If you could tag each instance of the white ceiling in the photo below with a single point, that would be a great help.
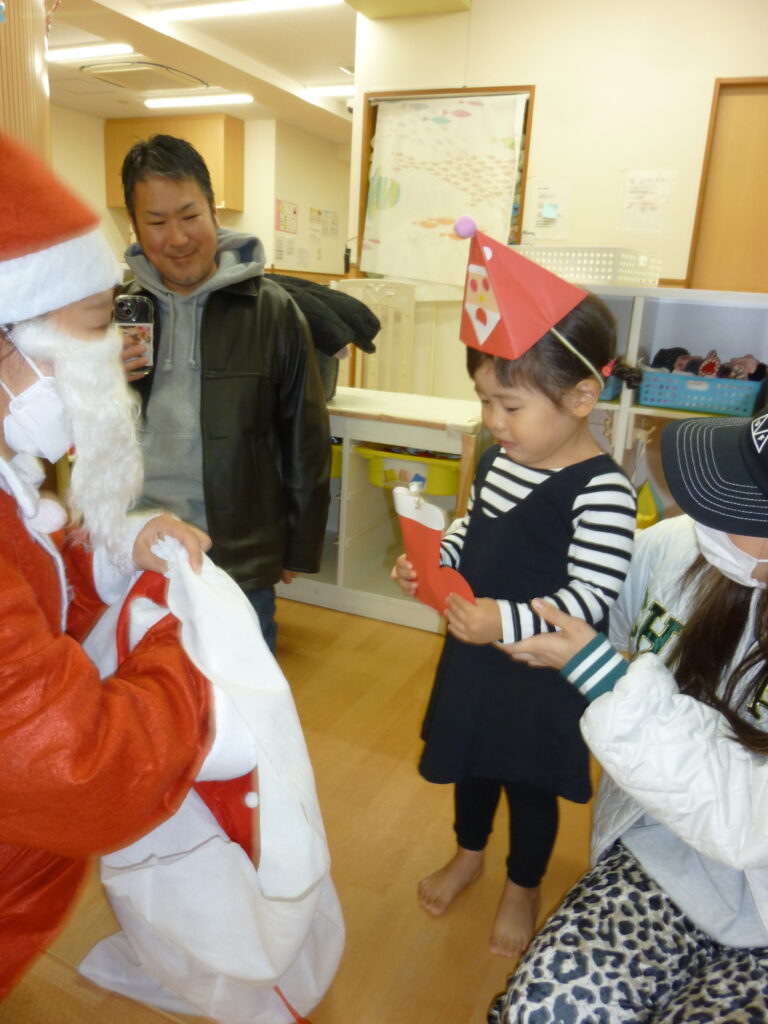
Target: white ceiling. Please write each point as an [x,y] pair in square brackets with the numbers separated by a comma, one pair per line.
[274,57]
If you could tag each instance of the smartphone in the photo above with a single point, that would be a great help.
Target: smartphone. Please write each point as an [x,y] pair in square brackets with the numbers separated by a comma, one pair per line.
[135,314]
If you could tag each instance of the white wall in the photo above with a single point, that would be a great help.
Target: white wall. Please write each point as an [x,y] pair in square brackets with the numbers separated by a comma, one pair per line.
[77,156]
[259,145]
[620,87]
[312,174]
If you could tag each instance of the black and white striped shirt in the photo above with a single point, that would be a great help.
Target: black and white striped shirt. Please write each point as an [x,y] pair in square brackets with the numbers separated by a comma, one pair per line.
[603,518]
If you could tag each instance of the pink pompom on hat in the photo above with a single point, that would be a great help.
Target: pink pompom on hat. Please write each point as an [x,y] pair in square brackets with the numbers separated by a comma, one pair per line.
[509,302]
[51,251]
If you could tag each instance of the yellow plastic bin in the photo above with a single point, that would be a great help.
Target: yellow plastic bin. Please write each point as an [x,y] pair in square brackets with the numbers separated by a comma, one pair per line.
[438,474]
[335,461]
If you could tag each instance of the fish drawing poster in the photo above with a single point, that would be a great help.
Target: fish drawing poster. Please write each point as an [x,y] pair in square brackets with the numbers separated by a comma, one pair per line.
[435,159]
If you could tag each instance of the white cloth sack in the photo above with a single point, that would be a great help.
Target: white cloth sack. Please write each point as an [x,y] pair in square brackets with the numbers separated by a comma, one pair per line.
[204,931]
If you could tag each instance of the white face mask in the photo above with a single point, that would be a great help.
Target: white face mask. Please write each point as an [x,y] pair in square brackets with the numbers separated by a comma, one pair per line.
[720,551]
[37,422]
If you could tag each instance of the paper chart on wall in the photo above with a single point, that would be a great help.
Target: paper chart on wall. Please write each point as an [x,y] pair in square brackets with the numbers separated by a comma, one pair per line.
[434,160]
[646,195]
[549,209]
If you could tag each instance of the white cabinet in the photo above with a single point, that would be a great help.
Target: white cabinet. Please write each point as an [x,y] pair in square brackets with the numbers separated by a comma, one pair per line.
[363,537]
[650,319]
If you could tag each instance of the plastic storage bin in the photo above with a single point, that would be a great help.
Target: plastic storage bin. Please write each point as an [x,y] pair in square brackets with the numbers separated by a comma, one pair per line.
[437,474]
[595,265]
[699,394]
[335,461]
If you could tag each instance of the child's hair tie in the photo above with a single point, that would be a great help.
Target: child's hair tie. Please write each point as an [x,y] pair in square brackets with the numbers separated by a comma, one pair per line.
[607,370]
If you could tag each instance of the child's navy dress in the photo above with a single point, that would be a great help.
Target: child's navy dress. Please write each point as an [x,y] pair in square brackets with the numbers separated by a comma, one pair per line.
[491,717]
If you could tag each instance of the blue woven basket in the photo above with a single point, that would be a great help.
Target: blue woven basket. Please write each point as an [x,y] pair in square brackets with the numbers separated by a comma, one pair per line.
[699,394]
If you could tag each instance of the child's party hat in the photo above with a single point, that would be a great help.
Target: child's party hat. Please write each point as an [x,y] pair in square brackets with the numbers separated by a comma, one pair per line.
[509,302]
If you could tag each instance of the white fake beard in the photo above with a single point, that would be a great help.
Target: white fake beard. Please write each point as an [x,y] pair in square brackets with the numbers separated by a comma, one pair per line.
[107,473]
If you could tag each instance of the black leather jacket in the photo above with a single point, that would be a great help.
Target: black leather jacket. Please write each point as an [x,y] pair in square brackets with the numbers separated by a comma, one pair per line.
[265,433]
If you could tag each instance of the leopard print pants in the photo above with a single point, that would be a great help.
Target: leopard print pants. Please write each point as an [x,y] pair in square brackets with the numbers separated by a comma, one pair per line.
[618,950]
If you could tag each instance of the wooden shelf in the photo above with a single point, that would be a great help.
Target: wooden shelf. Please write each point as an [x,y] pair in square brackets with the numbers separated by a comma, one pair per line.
[217,137]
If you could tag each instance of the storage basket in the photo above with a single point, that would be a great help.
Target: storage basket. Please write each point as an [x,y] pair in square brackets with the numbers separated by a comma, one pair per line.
[699,394]
[611,390]
[437,474]
[595,265]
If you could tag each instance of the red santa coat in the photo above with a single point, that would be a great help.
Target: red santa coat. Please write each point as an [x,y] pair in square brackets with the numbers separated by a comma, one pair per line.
[86,766]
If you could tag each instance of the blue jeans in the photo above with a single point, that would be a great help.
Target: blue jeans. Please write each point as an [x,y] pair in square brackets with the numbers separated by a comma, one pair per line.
[263,602]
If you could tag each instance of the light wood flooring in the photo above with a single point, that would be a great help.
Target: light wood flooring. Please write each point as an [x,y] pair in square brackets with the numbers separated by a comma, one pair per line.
[360,687]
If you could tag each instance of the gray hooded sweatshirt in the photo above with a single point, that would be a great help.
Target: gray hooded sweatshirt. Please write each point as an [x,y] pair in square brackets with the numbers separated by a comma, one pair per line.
[171,439]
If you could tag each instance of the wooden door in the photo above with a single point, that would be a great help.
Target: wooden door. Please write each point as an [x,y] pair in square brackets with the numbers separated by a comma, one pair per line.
[729,249]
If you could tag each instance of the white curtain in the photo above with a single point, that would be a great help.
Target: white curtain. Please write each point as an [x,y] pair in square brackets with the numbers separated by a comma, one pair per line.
[434,160]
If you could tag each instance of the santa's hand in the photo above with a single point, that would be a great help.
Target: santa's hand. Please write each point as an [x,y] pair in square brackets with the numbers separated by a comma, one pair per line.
[551,650]
[165,525]
[405,576]
[474,623]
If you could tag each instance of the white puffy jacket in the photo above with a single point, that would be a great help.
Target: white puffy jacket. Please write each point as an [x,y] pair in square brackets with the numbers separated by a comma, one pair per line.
[665,754]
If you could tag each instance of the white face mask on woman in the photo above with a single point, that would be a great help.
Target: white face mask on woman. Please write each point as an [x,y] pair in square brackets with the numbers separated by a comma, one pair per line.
[37,422]
[721,552]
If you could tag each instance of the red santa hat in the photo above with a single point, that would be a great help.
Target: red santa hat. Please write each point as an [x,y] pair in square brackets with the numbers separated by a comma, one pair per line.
[51,251]
[509,302]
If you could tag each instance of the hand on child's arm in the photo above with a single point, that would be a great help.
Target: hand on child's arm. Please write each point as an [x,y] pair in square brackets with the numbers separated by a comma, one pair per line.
[405,576]
[478,623]
[551,650]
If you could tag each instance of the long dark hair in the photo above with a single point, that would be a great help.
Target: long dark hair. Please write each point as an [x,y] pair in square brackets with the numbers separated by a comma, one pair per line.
[707,645]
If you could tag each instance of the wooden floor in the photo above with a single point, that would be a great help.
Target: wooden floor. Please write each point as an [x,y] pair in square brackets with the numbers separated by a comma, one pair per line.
[360,687]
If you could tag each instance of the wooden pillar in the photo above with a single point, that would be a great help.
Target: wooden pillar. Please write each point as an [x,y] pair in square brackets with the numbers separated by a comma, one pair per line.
[24,98]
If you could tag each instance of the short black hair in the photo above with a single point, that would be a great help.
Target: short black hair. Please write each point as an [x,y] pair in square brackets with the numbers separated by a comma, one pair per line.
[164,156]
[548,366]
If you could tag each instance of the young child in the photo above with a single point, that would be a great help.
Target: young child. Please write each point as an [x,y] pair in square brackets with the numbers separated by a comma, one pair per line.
[550,514]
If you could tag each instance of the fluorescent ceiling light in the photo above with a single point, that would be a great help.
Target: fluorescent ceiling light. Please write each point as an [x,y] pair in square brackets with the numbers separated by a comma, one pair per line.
[198,101]
[238,7]
[330,90]
[64,53]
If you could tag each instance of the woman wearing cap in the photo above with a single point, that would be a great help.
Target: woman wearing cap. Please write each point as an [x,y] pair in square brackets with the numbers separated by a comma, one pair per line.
[671,923]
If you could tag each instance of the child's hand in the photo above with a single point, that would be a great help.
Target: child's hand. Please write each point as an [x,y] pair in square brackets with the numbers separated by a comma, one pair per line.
[405,576]
[551,650]
[478,623]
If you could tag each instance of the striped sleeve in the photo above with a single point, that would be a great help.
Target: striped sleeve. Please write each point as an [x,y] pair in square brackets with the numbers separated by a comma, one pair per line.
[604,517]
[453,539]
[596,668]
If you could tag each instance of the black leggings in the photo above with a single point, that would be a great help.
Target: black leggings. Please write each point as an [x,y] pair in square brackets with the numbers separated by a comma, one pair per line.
[533,821]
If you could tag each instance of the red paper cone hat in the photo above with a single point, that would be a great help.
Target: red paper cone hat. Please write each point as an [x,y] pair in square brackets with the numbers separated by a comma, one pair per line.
[51,253]
[509,302]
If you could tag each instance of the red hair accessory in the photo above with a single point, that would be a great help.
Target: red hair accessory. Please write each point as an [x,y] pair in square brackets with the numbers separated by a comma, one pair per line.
[607,370]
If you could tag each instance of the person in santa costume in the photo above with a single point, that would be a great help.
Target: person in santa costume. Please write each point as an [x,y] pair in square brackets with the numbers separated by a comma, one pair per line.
[86,765]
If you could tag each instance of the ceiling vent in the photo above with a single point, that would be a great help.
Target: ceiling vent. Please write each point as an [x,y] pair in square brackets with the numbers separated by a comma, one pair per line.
[142,75]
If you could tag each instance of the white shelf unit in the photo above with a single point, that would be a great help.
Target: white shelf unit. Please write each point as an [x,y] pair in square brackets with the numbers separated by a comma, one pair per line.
[650,319]
[363,537]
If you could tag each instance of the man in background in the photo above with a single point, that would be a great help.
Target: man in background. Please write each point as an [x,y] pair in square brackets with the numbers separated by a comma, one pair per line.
[235,430]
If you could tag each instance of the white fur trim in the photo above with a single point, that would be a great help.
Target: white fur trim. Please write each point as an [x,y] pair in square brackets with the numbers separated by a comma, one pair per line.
[42,281]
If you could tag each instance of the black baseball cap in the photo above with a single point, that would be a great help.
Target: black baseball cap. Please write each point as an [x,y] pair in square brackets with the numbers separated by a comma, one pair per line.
[717,471]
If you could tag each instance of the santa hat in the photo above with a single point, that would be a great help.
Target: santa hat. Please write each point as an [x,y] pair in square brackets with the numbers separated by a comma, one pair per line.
[509,302]
[51,252]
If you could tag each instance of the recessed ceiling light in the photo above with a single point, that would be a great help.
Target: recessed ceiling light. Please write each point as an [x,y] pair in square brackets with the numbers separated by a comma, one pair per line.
[227,98]
[65,53]
[238,7]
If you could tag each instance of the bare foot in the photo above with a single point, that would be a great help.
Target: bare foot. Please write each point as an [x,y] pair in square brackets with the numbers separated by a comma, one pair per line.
[438,890]
[515,922]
